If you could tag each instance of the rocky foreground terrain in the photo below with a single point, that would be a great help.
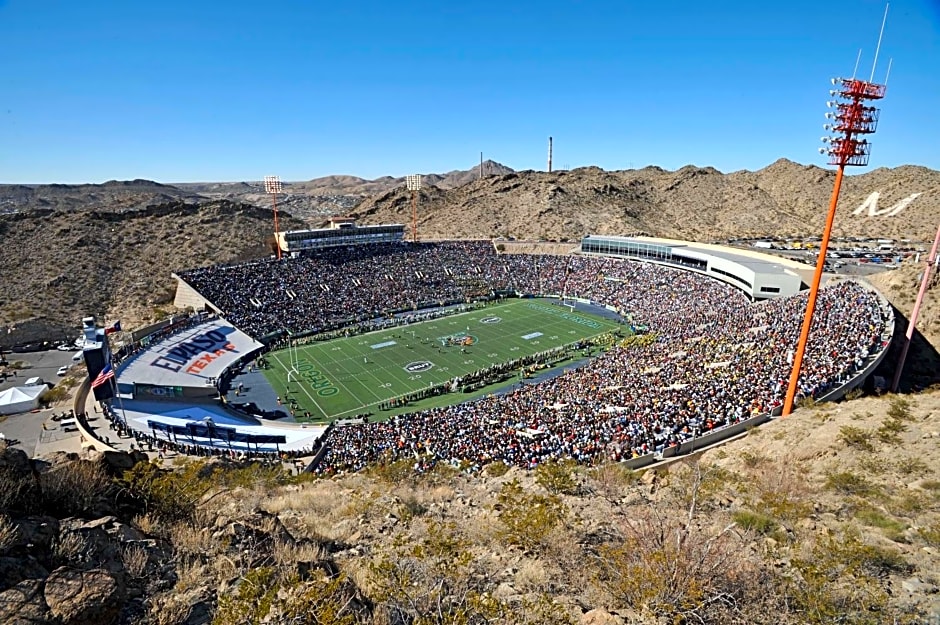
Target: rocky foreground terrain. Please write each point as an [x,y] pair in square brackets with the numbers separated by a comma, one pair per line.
[831,515]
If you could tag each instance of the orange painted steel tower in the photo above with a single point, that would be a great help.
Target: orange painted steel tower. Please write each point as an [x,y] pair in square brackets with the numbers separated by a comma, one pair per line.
[851,120]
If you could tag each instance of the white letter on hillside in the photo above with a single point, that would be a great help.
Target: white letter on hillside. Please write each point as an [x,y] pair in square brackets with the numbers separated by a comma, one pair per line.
[872,205]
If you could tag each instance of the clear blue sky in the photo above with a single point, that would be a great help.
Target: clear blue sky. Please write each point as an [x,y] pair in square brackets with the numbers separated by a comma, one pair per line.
[92,90]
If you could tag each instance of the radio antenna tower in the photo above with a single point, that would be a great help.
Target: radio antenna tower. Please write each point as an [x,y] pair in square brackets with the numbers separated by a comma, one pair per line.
[549,155]
[850,120]
[272,185]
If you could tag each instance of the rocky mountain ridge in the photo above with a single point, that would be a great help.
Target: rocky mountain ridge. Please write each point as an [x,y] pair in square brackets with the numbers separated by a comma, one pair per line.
[701,204]
[110,249]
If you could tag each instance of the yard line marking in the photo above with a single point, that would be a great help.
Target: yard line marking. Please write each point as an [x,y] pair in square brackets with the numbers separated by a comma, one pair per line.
[287,386]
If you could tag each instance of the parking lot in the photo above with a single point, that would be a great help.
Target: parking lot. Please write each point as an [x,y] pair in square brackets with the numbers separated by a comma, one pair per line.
[39,364]
[32,431]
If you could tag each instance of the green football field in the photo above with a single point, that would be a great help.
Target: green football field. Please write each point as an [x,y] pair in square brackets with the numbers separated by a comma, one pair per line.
[347,377]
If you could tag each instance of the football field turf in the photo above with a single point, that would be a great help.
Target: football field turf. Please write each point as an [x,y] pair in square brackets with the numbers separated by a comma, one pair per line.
[347,377]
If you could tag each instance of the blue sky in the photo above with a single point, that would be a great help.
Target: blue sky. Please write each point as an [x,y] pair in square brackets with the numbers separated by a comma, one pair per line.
[199,90]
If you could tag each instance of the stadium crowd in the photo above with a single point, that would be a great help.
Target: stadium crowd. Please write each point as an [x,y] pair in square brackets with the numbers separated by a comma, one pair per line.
[716,359]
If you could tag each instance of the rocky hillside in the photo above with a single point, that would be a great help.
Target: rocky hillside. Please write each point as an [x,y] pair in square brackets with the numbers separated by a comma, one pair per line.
[63,264]
[315,200]
[831,515]
[693,203]
[79,249]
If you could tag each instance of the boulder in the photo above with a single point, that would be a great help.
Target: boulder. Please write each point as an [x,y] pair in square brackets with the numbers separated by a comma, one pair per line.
[82,597]
[99,547]
[24,604]
[600,616]
[15,570]
[34,535]
[114,462]
[15,459]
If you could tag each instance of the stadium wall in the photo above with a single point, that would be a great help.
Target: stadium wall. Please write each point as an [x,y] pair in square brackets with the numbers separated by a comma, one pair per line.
[188,297]
[85,432]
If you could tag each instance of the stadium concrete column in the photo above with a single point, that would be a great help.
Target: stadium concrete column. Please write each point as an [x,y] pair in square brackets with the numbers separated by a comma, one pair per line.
[912,325]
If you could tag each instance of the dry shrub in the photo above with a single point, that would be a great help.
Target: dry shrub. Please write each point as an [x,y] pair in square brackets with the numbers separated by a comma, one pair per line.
[148,525]
[73,490]
[17,491]
[780,492]
[190,541]
[8,533]
[527,518]
[287,553]
[70,548]
[172,608]
[190,575]
[611,480]
[531,576]
[135,560]
[669,567]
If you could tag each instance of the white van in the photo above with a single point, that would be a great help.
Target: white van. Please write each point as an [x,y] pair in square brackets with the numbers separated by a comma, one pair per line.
[35,382]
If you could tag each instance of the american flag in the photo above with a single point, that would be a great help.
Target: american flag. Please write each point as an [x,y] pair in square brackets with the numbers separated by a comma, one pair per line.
[106,374]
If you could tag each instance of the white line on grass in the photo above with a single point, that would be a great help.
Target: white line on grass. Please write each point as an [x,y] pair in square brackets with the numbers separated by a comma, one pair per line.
[287,386]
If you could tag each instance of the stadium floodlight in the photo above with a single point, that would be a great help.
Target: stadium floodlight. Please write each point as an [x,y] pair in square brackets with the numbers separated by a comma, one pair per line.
[413,183]
[852,120]
[273,186]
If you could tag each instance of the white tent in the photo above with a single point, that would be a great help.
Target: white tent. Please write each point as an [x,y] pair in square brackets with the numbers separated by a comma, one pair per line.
[20,399]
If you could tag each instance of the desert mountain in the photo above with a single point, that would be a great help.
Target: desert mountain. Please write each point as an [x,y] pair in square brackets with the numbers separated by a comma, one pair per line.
[112,196]
[112,247]
[782,199]
[62,264]
[313,200]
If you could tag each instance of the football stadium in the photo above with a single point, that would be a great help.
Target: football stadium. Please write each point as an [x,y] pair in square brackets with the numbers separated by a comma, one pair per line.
[358,346]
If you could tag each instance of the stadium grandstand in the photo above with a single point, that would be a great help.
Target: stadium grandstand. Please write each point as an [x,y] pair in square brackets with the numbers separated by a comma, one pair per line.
[341,232]
[710,358]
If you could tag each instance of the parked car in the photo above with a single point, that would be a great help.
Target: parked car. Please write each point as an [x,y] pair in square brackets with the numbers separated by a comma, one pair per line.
[63,370]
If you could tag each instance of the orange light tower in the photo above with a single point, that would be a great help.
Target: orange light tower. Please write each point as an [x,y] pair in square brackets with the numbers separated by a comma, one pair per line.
[273,186]
[851,120]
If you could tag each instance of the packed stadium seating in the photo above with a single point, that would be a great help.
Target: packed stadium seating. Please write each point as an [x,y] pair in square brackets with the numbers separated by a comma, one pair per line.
[716,360]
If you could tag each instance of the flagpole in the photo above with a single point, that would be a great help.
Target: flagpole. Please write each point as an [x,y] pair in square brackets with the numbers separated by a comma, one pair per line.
[117,393]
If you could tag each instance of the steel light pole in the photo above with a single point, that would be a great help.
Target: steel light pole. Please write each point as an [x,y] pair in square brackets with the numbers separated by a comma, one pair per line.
[272,186]
[413,182]
[849,119]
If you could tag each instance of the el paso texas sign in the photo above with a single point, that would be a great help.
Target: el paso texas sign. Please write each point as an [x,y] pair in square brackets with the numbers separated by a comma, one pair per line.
[195,353]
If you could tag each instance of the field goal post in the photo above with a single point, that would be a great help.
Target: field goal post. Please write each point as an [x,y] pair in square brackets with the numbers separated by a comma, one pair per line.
[568,302]
[292,358]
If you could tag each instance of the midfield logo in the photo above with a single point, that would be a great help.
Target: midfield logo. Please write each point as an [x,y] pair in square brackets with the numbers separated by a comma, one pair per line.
[419,366]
